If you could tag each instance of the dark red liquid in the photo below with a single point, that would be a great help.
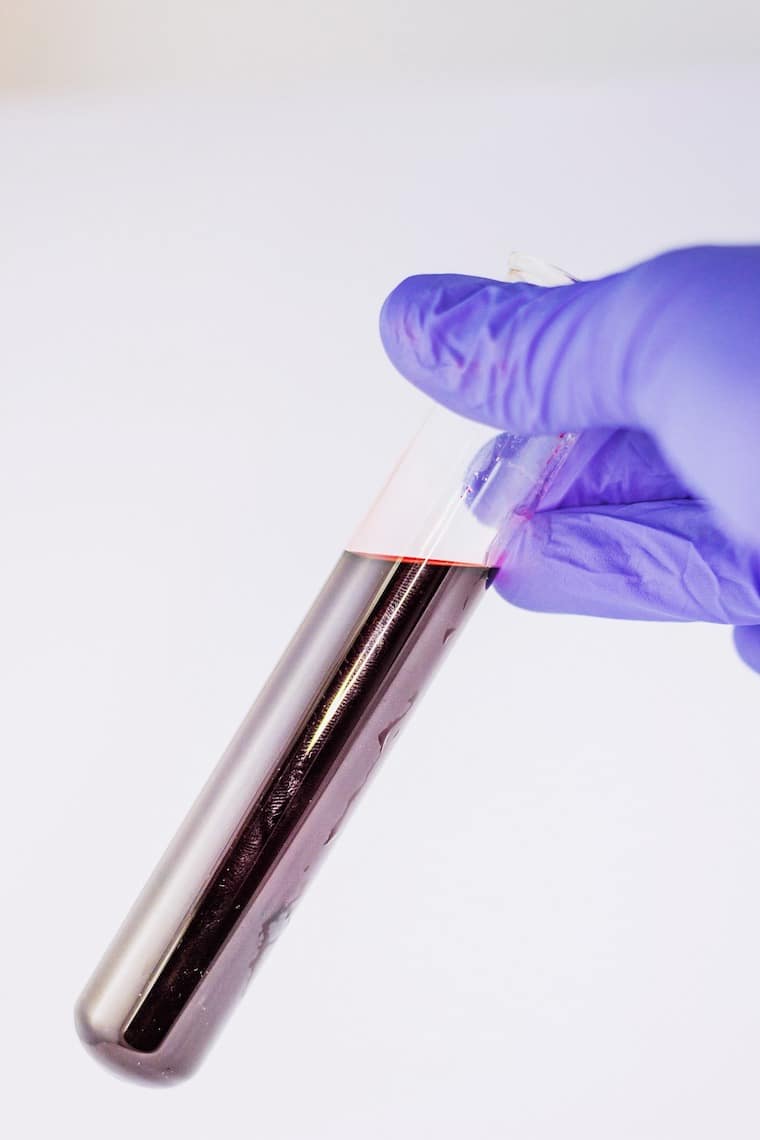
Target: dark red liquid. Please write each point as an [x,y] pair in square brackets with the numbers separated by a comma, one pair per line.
[408,614]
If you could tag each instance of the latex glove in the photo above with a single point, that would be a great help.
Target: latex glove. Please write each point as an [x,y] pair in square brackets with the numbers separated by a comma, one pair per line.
[659,366]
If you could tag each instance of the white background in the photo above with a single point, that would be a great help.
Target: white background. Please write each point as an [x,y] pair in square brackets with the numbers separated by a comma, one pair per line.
[542,920]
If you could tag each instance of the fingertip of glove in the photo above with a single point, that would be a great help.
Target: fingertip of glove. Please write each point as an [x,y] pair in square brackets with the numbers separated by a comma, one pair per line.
[747,645]
[433,327]
[395,331]
[415,298]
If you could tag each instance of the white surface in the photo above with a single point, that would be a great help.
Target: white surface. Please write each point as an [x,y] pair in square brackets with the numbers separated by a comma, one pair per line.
[542,920]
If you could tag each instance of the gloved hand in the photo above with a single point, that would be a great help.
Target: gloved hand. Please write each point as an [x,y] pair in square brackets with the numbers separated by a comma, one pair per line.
[659,366]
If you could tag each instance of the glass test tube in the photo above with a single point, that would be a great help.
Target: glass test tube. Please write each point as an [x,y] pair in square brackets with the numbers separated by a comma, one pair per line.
[383,621]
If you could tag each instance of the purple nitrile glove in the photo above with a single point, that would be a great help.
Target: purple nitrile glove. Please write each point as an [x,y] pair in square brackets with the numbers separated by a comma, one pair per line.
[659,367]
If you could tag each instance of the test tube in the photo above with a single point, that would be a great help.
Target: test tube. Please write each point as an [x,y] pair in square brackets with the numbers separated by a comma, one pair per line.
[391,609]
